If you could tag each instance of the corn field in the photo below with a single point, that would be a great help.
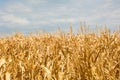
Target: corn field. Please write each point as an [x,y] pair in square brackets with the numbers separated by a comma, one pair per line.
[60,56]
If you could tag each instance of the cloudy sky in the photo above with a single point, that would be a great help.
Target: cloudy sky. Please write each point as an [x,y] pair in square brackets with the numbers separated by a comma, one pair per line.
[31,15]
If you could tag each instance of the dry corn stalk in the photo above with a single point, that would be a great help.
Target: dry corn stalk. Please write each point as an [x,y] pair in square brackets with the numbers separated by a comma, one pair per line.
[61,56]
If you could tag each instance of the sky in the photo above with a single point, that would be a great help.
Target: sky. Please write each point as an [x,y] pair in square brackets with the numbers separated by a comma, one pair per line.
[47,15]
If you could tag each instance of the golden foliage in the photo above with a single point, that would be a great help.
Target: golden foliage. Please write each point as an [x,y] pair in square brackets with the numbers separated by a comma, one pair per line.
[60,56]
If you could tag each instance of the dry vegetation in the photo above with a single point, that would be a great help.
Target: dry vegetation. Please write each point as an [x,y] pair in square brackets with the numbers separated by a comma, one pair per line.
[60,56]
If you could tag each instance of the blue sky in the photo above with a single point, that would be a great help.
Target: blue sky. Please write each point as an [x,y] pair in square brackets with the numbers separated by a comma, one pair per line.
[33,15]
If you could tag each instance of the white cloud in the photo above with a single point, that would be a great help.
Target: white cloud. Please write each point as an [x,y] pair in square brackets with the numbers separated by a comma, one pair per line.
[1,12]
[13,20]
[17,7]
[37,1]
[92,12]
[55,21]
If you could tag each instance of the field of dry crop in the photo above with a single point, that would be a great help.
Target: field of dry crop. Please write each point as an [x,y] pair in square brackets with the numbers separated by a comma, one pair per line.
[61,56]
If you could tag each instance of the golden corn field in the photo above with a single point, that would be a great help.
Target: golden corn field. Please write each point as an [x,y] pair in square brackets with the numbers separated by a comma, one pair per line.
[60,56]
